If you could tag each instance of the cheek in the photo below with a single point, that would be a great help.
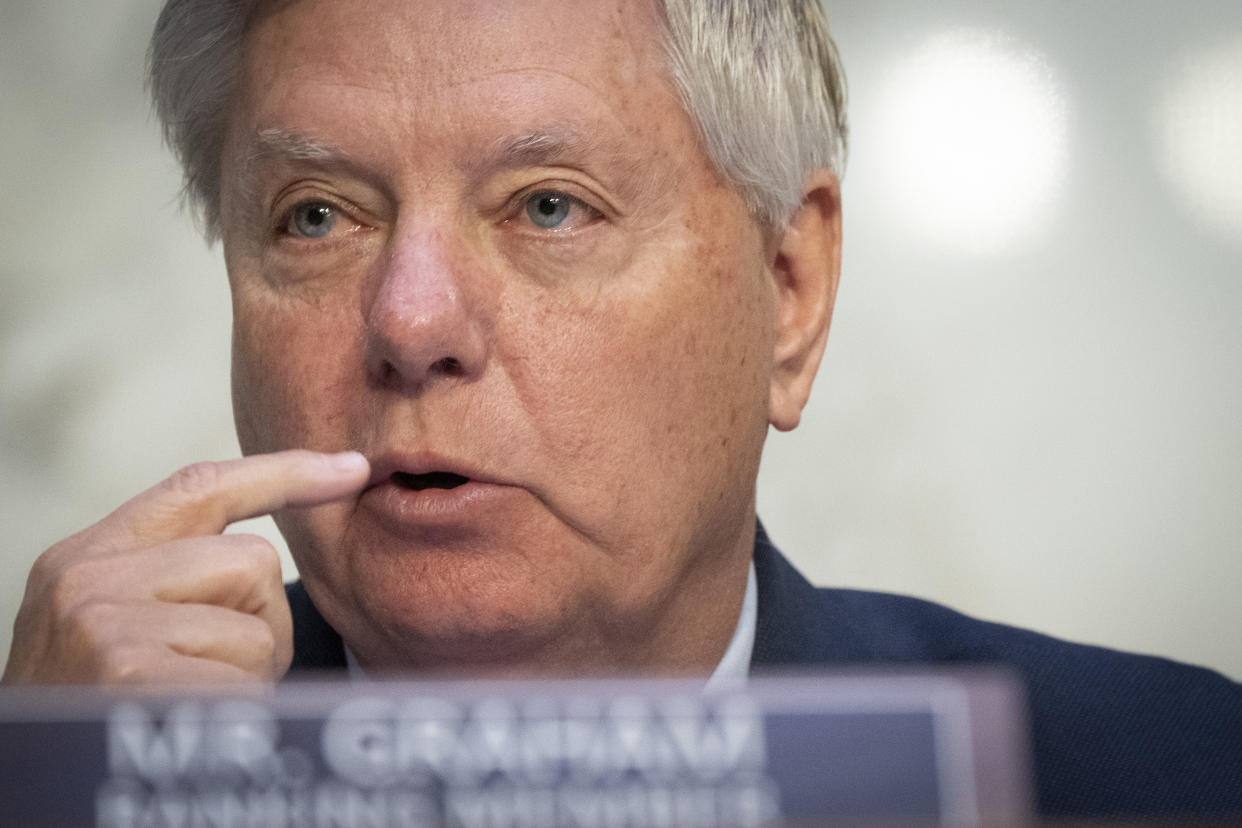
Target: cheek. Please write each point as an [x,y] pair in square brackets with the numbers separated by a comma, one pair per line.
[705,365]
[657,387]
[289,391]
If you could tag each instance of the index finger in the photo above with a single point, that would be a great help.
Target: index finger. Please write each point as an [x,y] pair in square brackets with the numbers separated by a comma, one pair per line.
[204,498]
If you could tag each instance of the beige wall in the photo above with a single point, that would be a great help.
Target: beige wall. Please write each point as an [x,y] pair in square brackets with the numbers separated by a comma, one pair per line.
[1042,430]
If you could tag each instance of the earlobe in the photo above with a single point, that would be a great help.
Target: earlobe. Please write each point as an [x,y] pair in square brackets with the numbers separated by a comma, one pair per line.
[806,269]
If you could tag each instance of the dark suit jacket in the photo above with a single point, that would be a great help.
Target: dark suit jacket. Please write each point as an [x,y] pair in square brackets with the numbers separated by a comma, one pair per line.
[1114,734]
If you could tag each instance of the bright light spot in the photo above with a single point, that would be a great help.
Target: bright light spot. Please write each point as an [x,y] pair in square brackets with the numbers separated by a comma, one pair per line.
[974,140]
[1199,135]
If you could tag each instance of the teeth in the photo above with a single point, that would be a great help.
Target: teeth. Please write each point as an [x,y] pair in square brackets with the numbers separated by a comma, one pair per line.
[429,480]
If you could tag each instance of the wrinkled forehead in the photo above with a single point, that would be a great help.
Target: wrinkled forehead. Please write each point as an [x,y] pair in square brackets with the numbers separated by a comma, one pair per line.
[598,60]
[414,48]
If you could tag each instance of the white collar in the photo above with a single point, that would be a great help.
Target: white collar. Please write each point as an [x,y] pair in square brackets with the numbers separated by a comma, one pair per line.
[734,666]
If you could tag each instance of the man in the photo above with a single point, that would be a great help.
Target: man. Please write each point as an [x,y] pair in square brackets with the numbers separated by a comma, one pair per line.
[518,288]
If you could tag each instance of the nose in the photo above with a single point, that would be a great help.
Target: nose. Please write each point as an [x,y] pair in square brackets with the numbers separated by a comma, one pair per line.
[425,322]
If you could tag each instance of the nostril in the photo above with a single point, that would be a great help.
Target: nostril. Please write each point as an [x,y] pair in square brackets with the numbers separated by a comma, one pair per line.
[429,480]
[449,366]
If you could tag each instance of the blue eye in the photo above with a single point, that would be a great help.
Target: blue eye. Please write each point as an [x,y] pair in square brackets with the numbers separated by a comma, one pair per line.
[548,209]
[312,220]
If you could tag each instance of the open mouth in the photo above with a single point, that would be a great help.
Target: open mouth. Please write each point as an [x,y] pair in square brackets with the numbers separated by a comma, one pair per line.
[429,480]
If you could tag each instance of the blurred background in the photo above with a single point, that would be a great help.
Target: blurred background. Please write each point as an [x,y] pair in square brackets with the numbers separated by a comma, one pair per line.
[1030,405]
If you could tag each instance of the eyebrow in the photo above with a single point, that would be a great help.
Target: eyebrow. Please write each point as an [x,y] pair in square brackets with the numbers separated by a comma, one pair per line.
[564,144]
[292,145]
[541,147]
[283,145]
[544,147]
[550,146]
[537,148]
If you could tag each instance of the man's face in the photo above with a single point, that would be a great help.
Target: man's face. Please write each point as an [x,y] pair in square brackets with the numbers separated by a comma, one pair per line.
[481,238]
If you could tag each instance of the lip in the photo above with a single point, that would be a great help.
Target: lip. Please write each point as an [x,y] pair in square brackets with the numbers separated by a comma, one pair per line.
[384,466]
[405,511]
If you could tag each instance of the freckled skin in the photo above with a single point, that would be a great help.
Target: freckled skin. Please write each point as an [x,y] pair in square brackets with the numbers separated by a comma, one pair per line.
[618,376]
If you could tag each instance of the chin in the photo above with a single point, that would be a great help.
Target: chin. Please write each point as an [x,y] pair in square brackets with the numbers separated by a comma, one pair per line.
[457,614]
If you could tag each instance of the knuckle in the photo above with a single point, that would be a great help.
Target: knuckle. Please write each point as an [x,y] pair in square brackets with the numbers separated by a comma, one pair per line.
[50,568]
[256,555]
[125,663]
[70,586]
[194,481]
[45,567]
[95,623]
[262,641]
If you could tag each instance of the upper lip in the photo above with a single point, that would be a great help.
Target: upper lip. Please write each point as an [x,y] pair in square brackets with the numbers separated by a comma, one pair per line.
[384,466]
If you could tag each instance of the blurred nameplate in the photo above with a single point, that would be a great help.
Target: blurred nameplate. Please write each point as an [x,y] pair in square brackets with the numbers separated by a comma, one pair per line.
[897,747]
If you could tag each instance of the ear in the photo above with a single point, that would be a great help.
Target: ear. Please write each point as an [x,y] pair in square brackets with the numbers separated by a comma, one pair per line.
[806,268]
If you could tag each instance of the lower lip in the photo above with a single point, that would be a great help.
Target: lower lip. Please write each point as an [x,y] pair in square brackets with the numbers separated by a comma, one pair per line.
[405,510]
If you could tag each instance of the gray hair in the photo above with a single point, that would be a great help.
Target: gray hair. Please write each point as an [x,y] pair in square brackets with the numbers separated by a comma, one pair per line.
[761,79]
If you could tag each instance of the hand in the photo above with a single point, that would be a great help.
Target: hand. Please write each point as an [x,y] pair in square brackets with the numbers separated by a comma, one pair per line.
[154,594]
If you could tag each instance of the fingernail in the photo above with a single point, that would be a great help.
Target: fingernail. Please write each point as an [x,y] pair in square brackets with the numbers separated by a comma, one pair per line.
[347,461]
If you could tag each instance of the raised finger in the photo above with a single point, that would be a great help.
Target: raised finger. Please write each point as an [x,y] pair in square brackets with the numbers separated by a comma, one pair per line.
[204,498]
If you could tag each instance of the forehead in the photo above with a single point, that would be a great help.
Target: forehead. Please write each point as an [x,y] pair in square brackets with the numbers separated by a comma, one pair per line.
[461,40]
[441,76]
